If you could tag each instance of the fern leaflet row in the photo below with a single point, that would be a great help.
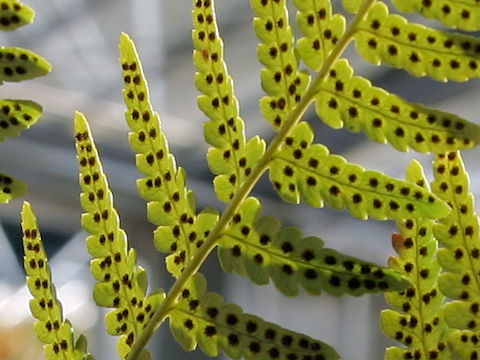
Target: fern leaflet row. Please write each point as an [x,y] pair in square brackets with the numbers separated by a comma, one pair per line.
[171,205]
[302,170]
[460,257]
[203,318]
[232,156]
[51,328]
[259,248]
[347,100]
[418,319]
[416,48]
[281,80]
[121,284]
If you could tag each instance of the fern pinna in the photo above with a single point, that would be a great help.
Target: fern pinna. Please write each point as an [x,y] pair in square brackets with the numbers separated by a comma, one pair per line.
[258,246]
[17,64]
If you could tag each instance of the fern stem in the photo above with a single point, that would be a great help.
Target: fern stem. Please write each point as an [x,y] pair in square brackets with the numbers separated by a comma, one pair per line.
[262,165]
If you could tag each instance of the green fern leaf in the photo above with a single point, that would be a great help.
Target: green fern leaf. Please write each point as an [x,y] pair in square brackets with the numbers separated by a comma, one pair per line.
[17,115]
[172,205]
[232,156]
[10,188]
[17,64]
[282,81]
[321,29]
[51,328]
[418,321]
[121,284]
[302,170]
[460,258]
[352,101]
[14,14]
[352,5]
[418,49]
[464,344]
[259,248]
[464,15]
[204,319]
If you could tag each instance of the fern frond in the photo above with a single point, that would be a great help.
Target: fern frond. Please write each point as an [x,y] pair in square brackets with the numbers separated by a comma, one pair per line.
[17,115]
[282,81]
[204,319]
[416,48]
[10,188]
[462,14]
[121,284]
[51,328]
[17,64]
[418,319]
[302,170]
[347,100]
[321,28]
[460,257]
[14,14]
[171,205]
[260,249]
[232,156]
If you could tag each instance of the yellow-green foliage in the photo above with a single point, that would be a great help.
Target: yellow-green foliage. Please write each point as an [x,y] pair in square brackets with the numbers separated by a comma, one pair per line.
[232,157]
[459,234]
[121,284]
[418,321]
[300,170]
[51,328]
[203,318]
[17,64]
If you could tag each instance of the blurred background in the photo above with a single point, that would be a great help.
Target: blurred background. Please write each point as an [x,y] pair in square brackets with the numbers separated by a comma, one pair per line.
[79,38]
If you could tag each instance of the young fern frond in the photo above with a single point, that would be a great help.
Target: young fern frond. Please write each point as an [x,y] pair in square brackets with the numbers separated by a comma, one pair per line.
[203,318]
[171,204]
[321,28]
[301,170]
[455,14]
[14,14]
[351,101]
[420,50]
[460,256]
[51,328]
[121,283]
[232,156]
[259,248]
[281,79]
[418,319]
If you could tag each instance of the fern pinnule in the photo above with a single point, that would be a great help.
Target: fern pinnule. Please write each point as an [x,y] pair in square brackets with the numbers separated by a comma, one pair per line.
[232,157]
[258,247]
[418,319]
[17,115]
[171,204]
[10,188]
[51,328]
[17,64]
[460,256]
[420,50]
[455,14]
[281,79]
[203,318]
[321,28]
[121,284]
[351,101]
[302,170]
[14,14]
